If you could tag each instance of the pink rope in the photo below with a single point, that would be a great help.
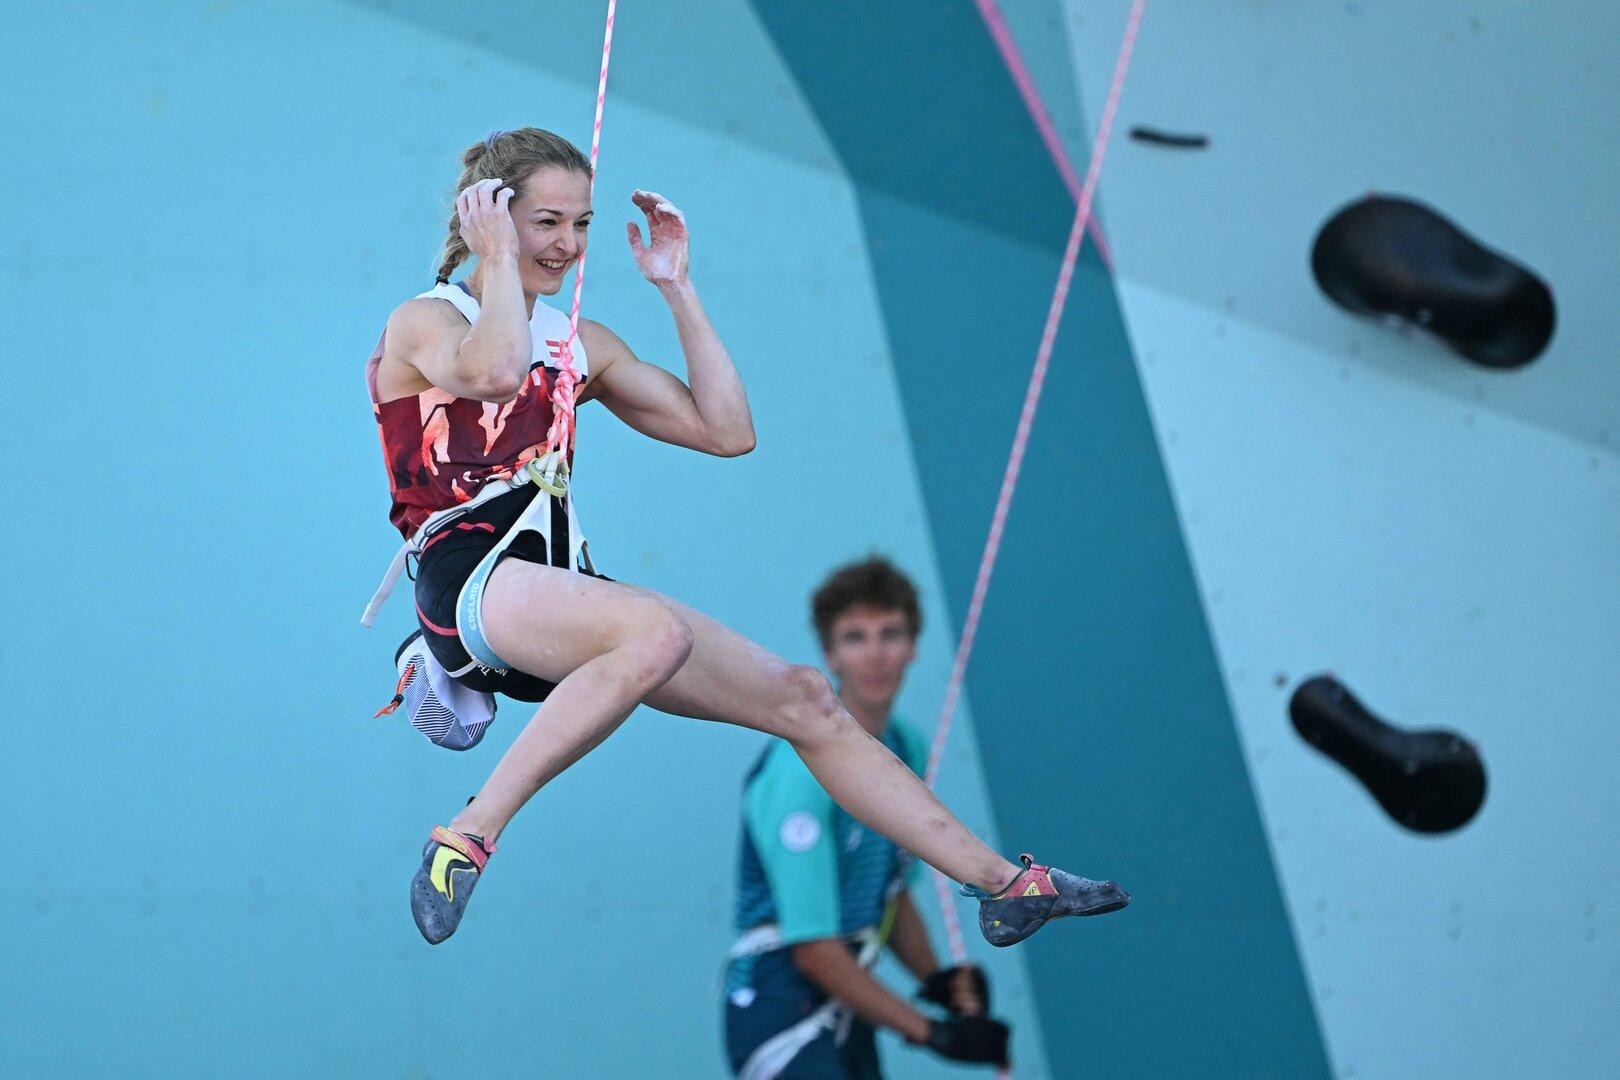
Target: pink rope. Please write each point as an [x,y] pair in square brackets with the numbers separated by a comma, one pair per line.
[1009,478]
[561,434]
[1038,112]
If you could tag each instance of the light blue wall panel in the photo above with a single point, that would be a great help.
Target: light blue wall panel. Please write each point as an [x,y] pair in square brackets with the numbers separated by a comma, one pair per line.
[1500,114]
[1440,536]
[227,200]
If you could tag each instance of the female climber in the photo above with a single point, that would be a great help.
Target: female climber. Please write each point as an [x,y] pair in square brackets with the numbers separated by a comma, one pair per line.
[466,383]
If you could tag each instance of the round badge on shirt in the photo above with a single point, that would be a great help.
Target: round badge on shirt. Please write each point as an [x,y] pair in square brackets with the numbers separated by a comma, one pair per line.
[800,830]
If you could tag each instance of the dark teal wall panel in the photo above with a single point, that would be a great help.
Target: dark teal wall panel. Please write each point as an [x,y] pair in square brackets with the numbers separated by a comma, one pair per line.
[1104,729]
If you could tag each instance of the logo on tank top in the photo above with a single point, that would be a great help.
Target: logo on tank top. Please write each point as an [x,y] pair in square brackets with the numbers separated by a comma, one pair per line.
[799,831]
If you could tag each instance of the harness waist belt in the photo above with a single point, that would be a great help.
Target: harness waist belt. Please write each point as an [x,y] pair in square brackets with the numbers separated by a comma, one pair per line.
[439,519]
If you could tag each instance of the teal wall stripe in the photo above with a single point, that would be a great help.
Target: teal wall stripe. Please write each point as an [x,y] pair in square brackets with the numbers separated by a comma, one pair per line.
[1104,729]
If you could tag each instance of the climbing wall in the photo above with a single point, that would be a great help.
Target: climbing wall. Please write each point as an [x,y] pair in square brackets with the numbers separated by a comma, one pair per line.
[240,193]
[1358,500]
[1102,722]
[1234,486]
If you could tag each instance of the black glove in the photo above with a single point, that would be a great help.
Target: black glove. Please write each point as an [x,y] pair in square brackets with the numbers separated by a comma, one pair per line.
[969,1038]
[940,987]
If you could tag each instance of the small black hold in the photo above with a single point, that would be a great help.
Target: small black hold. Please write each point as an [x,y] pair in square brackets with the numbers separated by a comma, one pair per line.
[1169,138]
[1429,781]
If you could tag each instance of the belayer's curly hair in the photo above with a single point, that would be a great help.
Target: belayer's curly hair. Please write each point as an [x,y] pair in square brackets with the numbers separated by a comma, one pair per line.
[873,581]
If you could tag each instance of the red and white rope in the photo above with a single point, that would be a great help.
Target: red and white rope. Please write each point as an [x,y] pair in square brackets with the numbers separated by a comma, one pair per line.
[560,437]
[1038,112]
[1015,460]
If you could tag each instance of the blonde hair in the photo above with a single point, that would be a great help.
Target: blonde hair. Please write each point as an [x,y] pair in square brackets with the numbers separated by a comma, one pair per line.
[513,156]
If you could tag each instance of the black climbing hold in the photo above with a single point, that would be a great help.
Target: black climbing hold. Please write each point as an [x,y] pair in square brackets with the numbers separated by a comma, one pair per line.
[1169,138]
[1428,781]
[1395,258]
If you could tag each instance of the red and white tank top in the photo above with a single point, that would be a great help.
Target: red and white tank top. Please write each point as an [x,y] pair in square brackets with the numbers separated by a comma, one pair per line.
[440,449]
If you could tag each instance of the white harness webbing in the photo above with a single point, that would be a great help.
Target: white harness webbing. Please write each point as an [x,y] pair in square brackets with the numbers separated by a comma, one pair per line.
[530,519]
[774,1054]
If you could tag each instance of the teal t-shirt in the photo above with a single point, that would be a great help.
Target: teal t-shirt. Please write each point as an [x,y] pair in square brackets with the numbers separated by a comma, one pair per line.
[805,865]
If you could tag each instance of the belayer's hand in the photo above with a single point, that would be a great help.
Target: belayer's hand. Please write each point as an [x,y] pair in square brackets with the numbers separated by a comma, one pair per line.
[962,989]
[970,1038]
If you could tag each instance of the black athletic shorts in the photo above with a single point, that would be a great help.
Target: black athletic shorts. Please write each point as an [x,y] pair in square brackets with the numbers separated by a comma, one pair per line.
[453,553]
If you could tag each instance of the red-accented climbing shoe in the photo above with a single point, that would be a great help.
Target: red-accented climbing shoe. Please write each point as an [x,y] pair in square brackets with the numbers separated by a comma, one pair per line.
[1036,897]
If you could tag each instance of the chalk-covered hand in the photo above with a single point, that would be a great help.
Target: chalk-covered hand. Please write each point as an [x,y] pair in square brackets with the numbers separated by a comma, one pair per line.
[662,260]
[486,223]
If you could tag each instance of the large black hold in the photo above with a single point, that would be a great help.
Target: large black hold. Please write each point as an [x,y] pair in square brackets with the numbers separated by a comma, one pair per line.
[1394,258]
[1428,781]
